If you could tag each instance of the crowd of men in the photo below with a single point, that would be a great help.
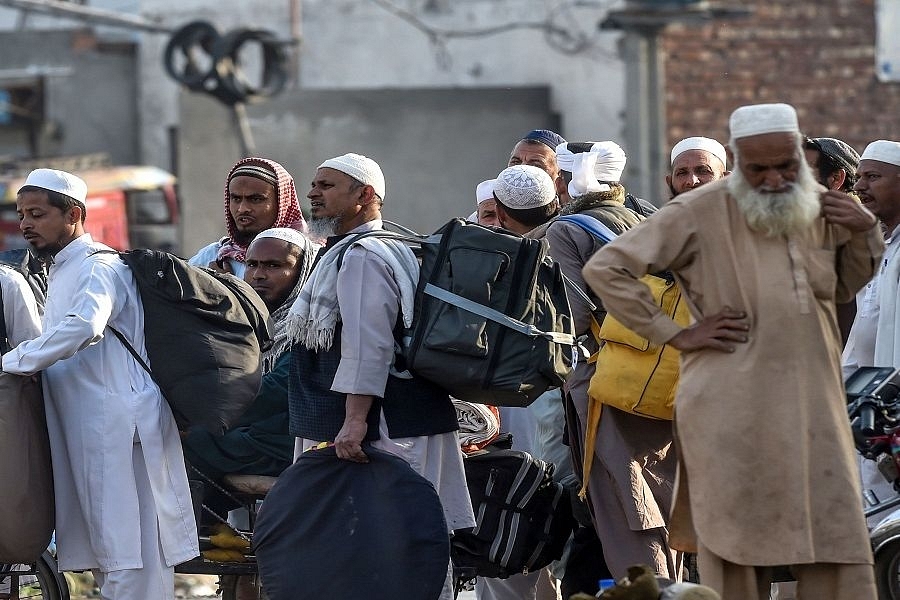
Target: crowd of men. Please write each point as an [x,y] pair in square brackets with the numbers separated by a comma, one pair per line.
[775,257]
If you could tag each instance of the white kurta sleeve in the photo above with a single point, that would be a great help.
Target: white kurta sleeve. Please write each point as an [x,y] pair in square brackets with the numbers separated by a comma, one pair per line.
[20,310]
[369,303]
[94,302]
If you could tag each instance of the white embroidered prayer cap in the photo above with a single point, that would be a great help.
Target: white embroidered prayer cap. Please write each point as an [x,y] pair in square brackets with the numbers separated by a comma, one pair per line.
[359,167]
[757,119]
[524,186]
[593,171]
[885,151]
[292,236]
[59,181]
[484,191]
[699,143]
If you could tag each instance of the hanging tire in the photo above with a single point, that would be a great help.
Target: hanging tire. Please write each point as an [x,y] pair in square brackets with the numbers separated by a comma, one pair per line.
[887,571]
[36,582]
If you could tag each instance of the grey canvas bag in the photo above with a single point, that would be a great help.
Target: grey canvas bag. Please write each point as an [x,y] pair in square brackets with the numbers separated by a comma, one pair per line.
[26,475]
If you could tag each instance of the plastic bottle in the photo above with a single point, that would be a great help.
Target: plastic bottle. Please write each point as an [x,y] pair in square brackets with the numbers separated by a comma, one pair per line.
[605,584]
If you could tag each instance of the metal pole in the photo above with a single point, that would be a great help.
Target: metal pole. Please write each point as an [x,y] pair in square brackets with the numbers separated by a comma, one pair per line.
[242,124]
[656,119]
[87,14]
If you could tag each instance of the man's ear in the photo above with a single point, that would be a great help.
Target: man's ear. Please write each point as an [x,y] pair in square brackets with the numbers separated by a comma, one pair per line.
[367,195]
[836,180]
[74,215]
[669,180]
[502,217]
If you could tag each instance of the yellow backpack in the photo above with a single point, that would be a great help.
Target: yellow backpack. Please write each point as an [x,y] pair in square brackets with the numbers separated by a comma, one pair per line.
[631,373]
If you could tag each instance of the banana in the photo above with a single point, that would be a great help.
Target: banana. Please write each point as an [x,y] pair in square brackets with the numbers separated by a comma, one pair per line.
[222,555]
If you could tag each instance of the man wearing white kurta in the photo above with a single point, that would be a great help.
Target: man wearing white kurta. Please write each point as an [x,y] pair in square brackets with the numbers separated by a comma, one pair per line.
[123,507]
[341,386]
[872,340]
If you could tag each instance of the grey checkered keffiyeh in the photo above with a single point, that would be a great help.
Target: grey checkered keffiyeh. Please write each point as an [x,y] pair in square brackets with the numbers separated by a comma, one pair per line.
[315,313]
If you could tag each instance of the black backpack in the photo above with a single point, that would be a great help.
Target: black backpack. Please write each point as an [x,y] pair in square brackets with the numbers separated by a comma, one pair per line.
[204,332]
[492,321]
[523,517]
[31,268]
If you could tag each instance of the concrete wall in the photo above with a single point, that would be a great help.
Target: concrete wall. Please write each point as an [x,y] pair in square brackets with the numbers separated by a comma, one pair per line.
[357,44]
[90,102]
[434,146]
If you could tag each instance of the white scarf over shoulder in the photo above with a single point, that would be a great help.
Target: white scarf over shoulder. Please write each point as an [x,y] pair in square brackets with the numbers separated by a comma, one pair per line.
[315,313]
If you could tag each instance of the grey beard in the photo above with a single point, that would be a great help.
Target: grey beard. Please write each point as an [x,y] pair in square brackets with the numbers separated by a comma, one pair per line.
[324,227]
[777,213]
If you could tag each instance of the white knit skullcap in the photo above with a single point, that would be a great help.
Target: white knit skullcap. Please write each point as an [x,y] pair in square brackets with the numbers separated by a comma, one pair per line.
[59,181]
[884,151]
[699,143]
[593,171]
[524,186]
[292,236]
[756,119]
[484,191]
[359,167]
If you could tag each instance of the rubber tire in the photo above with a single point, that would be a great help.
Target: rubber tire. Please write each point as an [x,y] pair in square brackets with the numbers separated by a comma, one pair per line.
[52,584]
[228,585]
[887,571]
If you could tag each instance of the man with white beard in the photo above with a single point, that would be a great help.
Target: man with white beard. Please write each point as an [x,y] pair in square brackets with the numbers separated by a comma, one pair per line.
[767,474]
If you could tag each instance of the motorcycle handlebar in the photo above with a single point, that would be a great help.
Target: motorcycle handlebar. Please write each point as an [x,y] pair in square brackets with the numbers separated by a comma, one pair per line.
[867,419]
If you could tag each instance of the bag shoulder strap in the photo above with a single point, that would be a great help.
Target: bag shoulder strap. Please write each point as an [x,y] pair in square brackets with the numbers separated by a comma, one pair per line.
[131,350]
[592,225]
[381,234]
[5,346]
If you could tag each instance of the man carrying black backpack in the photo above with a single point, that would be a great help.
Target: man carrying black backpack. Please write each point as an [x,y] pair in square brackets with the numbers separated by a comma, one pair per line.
[343,385]
[123,506]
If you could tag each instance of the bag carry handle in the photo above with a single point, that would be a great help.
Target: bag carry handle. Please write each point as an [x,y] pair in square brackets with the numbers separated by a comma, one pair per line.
[496,316]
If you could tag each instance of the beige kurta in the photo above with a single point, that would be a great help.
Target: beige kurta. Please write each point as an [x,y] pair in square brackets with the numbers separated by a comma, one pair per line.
[763,431]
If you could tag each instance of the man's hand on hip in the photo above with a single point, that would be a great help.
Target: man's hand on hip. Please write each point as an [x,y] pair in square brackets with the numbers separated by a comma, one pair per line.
[720,332]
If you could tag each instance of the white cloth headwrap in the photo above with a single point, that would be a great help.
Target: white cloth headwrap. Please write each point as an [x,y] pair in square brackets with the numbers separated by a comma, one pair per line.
[757,119]
[699,143]
[359,167]
[315,313]
[565,158]
[593,171]
[279,316]
[484,191]
[884,151]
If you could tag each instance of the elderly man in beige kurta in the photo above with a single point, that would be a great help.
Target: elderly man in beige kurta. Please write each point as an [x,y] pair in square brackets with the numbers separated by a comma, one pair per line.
[768,475]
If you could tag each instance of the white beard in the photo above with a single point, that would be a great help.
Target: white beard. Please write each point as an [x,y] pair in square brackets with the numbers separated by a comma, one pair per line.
[324,227]
[777,213]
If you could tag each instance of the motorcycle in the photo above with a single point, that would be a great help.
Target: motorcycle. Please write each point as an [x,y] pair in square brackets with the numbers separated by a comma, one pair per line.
[873,405]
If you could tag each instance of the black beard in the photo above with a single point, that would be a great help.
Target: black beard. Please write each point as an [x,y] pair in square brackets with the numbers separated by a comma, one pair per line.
[242,238]
[47,253]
